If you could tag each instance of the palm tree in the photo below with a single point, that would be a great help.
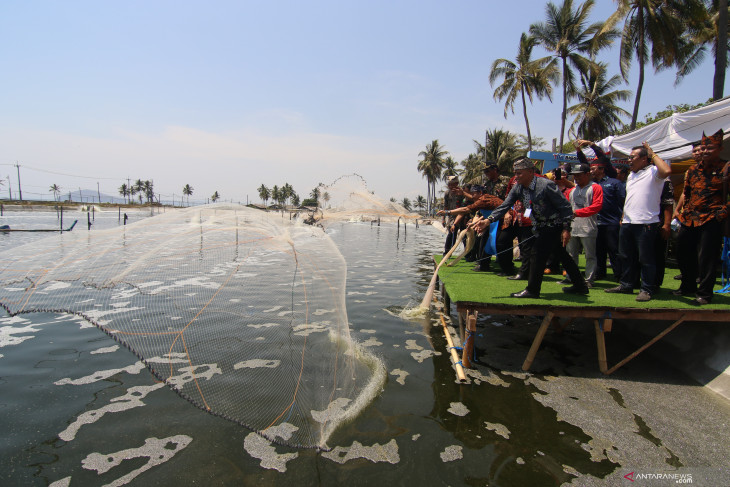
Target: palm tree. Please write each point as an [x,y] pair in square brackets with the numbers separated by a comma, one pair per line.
[124,191]
[275,194]
[264,193]
[139,189]
[472,172]
[523,77]
[431,166]
[655,22]
[56,190]
[537,144]
[215,197]
[596,114]
[187,191]
[149,192]
[295,199]
[702,22]
[721,50]
[565,35]
[287,191]
[420,202]
[449,168]
[406,203]
[501,147]
[325,197]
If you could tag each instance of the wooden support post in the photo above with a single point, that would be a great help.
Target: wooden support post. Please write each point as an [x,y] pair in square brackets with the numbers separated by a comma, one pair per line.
[462,326]
[538,340]
[607,325]
[471,328]
[454,355]
[601,345]
[646,345]
[446,300]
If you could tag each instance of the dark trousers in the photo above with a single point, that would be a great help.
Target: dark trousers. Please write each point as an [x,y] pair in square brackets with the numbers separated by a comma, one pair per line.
[482,257]
[637,244]
[698,249]
[450,239]
[546,242]
[607,245]
[505,242]
[660,252]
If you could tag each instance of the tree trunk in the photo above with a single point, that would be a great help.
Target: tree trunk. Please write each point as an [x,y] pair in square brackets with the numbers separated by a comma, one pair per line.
[718,86]
[641,53]
[428,197]
[527,122]
[565,102]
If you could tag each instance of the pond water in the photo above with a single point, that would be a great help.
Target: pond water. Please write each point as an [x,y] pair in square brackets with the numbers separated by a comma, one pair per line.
[77,409]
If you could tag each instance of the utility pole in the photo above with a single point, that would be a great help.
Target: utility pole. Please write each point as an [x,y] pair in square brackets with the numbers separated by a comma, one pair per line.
[10,189]
[98,192]
[20,190]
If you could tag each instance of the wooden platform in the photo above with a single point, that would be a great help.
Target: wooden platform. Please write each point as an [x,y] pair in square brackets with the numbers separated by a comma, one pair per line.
[487,293]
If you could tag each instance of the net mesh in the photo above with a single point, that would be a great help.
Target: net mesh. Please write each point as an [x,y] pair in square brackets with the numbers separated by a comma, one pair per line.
[348,198]
[237,310]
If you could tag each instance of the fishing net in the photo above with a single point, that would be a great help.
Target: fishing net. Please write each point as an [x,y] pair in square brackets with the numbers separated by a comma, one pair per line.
[237,310]
[348,198]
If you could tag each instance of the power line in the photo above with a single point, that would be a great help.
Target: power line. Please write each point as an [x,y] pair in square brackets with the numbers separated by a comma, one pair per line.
[64,174]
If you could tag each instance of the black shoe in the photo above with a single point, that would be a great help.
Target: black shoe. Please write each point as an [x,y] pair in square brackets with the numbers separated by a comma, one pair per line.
[575,289]
[679,292]
[517,277]
[503,274]
[701,301]
[678,277]
[524,294]
[478,268]
[619,289]
[565,281]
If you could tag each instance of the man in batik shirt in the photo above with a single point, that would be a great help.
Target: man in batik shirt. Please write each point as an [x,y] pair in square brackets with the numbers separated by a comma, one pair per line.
[703,211]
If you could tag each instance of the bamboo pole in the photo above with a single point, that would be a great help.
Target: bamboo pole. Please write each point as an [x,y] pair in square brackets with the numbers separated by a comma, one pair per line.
[426,302]
[454,356]
[471,328]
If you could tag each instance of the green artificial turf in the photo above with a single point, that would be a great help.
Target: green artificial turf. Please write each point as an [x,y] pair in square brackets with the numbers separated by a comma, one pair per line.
[465,285]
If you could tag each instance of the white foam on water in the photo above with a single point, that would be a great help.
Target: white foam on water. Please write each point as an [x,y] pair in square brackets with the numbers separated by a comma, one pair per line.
[458,409]
[156,450]
[387,453]
[452,453]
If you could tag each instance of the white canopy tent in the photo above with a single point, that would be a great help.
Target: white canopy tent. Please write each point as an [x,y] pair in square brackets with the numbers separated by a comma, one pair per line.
[672,137]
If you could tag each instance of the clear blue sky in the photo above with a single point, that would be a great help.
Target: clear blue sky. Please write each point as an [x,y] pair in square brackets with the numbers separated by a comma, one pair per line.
[226,95]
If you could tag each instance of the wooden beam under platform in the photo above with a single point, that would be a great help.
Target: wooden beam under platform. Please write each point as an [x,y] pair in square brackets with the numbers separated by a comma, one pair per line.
[486,293]
[603,319]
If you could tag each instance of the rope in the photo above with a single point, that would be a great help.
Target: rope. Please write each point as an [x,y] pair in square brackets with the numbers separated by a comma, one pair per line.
[470,336]
[447,272]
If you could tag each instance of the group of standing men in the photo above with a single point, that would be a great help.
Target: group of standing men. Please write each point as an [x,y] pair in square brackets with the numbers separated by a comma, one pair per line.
[600,215]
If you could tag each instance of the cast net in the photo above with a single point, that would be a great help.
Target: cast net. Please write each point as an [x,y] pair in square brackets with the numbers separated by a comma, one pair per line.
[348,198]
[237,310]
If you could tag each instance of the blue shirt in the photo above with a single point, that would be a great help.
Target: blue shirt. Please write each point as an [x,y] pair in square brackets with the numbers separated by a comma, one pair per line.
[614,195]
